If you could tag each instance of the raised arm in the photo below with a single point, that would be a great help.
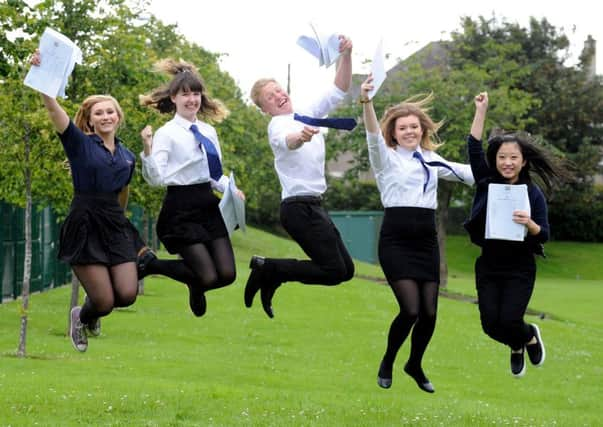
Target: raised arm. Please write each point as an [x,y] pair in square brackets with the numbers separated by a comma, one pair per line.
[58,116]
[481,107]
[343,76]
[370,117]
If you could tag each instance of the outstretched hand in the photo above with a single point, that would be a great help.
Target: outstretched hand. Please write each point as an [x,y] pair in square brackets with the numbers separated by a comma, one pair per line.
[481,101]
[345,45]
[34,59]
[307,133]
[147,139]
[366,87]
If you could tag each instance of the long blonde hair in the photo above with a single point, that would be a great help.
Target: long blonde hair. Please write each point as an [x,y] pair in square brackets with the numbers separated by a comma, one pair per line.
[184,77]
[82,117]
[417,105]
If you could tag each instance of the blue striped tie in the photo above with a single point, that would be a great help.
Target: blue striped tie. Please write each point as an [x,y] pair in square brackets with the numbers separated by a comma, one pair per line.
[345,123]
[213,160]
[436,163]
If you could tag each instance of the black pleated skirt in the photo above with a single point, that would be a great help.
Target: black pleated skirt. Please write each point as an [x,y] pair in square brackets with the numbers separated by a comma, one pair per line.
[408,244]
[96,231]
[190,214]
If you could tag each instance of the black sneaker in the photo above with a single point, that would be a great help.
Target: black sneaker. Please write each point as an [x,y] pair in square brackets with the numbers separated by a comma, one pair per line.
[536,352]
[143,261]
[518,364]
[77,332]
[94,328]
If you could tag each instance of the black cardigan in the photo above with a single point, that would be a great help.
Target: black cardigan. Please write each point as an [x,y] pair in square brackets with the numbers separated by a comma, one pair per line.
[475,224]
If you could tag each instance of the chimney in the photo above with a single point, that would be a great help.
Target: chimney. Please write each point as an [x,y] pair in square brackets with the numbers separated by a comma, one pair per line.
[589,57]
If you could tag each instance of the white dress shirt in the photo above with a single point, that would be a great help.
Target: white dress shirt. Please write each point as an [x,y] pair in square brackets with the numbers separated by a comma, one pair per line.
[301,172]
[400,177]
[176,157]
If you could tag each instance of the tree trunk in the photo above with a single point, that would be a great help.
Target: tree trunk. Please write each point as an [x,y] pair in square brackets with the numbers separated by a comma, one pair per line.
[22,350]
[444,196]
[147,240]
[155,239]
[75,297]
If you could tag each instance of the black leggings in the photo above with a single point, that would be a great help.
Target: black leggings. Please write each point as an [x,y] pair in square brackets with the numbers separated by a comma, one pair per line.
[418,306]
[203,266]
[503,296]
[106,288]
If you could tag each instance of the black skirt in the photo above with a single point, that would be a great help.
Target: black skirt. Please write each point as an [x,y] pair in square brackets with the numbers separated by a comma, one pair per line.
[189,215]
[96,231]
[408,245]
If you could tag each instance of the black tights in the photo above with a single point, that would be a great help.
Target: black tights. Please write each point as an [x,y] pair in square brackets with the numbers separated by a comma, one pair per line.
[203,266]
[418,306]
[106,288]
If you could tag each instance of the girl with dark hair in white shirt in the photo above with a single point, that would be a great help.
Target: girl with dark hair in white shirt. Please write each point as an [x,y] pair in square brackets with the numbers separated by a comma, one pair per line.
[400,152]
[184,155]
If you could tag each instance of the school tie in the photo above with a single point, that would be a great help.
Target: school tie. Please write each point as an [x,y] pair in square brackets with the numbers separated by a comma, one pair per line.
[345,123]
[213,160]
[436,163]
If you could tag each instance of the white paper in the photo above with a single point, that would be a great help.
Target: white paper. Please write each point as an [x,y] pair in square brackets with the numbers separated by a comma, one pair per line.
[503,199]
[58,56]
[232,207]
[322,47]
[377,70]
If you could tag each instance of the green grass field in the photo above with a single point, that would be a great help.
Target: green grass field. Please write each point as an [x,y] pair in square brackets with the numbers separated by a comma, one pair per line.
[315,364]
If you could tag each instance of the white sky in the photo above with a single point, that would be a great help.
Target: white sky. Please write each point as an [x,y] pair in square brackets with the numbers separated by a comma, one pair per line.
[259,36]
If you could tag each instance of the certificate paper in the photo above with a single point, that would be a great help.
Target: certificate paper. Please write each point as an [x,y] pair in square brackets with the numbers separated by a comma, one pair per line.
[377,70]
[58,56]
[503,199]
[232,207]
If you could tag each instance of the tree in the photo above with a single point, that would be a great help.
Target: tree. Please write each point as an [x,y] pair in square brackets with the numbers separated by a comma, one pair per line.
[120,43]
[567,112]
[28,161]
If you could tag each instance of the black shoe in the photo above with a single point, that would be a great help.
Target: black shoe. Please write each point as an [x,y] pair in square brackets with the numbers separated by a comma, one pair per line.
[518,364]
[142,263]
[384,376]
[254,282]
[93,328]
[197,301]
[420,378]
[536,352]
[266,295]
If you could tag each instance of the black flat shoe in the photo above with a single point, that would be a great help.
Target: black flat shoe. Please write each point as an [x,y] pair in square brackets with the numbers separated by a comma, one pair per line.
[197,301]
[384,376]
[142,263]
[266,295]
[254,282]
[420,378]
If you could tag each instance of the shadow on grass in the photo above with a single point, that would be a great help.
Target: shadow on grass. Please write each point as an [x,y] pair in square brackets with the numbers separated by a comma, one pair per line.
[457,296]
[13,355]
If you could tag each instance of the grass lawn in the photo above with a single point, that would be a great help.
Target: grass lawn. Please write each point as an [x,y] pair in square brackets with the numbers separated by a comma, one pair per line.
[315,364]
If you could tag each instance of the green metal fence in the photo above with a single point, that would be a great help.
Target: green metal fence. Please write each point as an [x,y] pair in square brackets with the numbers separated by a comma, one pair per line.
[360,232]
[46,271]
